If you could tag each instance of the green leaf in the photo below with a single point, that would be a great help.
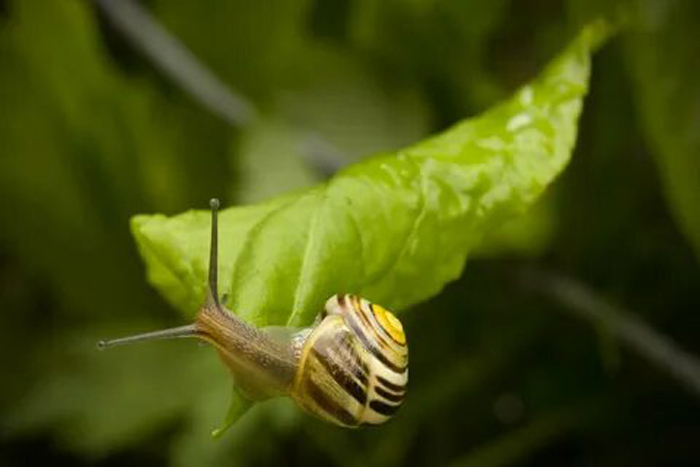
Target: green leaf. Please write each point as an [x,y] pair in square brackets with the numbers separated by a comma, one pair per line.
[667,77]
[394,229]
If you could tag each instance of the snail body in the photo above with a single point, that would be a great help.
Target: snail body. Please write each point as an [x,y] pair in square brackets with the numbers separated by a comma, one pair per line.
[350,368]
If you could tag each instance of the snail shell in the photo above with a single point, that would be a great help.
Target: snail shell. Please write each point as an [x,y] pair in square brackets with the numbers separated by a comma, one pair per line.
[353,368]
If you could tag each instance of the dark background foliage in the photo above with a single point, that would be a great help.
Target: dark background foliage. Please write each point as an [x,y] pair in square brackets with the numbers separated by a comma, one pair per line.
[503,371]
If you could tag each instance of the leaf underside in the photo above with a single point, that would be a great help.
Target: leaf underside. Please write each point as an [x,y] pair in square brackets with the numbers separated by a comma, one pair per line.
[394,228]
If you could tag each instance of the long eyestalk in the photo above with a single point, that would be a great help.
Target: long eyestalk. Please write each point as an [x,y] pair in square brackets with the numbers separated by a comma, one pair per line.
[213,293]
[189,330]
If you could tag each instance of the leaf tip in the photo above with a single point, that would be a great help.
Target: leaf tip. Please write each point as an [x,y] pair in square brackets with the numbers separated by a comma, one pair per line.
[596,33]
[238,407]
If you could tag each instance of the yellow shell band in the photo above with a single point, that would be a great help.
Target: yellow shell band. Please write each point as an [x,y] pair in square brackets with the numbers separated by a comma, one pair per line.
[390,323]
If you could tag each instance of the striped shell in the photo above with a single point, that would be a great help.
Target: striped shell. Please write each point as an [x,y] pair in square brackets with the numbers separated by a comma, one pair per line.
[354,365]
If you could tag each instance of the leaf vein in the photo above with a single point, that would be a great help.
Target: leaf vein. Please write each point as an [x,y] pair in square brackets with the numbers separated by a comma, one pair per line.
[308,249]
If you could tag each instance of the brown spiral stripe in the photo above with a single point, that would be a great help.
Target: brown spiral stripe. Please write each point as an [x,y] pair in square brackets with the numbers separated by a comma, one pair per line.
[354,371]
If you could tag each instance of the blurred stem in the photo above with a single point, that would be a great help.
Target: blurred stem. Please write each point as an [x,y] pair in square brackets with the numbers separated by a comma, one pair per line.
[176,61]
[179,64]
[632,331]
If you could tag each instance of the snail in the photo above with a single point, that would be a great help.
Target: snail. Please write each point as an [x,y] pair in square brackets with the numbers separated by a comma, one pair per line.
[350,368]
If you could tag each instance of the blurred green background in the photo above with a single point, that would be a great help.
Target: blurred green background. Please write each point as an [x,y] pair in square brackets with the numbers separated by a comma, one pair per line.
[92,131]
